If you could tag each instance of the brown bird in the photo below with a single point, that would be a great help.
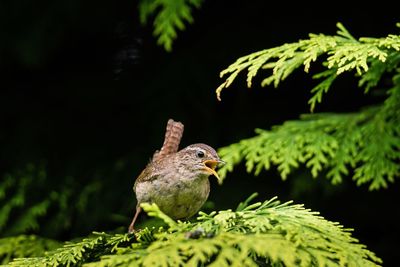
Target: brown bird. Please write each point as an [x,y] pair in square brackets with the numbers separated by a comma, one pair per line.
[177,181]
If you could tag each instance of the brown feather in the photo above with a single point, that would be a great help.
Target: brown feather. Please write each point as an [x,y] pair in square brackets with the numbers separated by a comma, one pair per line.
[173,136]
[148,174]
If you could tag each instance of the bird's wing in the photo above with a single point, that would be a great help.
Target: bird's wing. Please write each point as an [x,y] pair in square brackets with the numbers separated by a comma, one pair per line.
[148,174]
[173,136]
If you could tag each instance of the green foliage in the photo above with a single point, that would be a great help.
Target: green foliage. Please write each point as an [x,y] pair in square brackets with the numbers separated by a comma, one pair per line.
[266,233]
[171,15]
[367,141]
[24,210]
[15,192]
[344,53]
[24,246]
[69,254]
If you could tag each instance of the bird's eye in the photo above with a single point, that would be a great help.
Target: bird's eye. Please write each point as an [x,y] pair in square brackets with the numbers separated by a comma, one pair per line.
[200,154]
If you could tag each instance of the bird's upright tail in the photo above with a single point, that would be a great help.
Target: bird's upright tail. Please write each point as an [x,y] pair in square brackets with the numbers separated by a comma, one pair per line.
[173,136]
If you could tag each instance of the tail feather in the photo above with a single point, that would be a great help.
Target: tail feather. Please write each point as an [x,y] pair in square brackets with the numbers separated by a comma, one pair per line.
[173,136]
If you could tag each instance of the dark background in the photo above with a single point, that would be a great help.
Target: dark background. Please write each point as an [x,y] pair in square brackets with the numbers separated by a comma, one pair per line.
[86,91]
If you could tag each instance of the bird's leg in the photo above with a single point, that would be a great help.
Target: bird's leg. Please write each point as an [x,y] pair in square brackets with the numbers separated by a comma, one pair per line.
[138,210]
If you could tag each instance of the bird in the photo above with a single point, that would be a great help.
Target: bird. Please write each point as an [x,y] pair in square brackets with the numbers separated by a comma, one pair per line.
[176,180]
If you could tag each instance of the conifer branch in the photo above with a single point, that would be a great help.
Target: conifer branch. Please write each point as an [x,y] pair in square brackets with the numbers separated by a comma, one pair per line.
[367,142]
[170,16]
[23,211]
[342,51]
[264,232]
[25,246]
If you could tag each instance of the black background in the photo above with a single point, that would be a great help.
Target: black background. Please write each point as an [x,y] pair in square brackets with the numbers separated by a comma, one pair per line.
[85,88]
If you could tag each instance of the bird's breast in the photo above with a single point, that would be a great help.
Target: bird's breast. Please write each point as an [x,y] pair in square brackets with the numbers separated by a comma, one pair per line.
[177,197]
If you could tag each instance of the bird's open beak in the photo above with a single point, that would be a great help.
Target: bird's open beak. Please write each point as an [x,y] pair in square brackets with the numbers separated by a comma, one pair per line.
[211,165]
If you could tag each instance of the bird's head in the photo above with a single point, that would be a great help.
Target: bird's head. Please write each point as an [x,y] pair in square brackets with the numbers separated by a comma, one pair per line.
[201,158]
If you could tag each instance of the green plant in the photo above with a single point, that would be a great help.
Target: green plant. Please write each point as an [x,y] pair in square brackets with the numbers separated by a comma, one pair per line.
[25,246]
[24,210]
[267,233]
[19,204]
[264,233]
[367,142]
[170,16]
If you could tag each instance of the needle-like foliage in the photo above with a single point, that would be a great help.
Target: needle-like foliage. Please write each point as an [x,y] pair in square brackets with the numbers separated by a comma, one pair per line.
[170,16]
[16,196]
[23,210]
[364,145]
[268,233]
[25,246]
